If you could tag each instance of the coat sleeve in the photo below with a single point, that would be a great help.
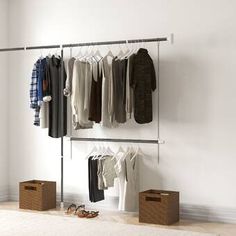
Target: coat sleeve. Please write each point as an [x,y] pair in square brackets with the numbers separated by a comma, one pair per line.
[153,76]
[131,71]
[74,95]
[47,96]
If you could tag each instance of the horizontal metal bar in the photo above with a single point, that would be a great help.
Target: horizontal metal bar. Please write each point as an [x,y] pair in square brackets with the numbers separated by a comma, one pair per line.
[117,140]
[43,47]
[85,44]
[148,40]
[115,42]
[12,49]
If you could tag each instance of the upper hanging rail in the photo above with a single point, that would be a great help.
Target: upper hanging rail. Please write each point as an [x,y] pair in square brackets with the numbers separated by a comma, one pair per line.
[116,42]
[12,49]
[148,40]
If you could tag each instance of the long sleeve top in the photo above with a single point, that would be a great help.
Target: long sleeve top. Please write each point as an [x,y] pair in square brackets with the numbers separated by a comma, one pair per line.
[34,93]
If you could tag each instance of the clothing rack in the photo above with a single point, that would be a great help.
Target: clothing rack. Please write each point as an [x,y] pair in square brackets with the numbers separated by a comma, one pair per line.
[148,40]
[117,140]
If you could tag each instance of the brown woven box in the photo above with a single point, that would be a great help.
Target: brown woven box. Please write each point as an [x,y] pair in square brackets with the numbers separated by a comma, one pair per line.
[159,207]
[38,195]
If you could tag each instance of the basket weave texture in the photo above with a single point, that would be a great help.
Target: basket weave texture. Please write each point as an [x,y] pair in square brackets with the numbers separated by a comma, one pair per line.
[159,207]
[37,195]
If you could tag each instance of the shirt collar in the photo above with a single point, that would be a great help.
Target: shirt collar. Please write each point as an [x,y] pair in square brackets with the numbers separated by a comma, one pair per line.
[142,50]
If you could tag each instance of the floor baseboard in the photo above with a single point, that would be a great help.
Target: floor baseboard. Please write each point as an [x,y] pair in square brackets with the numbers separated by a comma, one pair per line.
[4,195]
[187,211]
[206,213]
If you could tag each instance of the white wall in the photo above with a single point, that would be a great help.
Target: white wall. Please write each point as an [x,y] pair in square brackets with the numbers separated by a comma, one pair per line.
[197,92]
[4,102]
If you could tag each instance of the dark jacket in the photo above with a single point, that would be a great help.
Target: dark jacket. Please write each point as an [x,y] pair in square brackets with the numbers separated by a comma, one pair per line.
[143,81]
[53,74]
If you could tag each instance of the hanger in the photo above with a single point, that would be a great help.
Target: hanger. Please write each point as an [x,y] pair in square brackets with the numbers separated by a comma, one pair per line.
[121,53]
[103,153]
[79,54]
[109,54]
[109,151]
[41,54]
[56,54]
[85,54]
[127,52]
[90,154]
[97,55]
[98,153]
[90,57]
[138,151]
[136,48]
[120,150]
[49,54]
[131,51]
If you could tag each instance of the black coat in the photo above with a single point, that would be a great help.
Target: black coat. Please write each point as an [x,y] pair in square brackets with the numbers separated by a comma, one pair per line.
[53,76]
[143,81]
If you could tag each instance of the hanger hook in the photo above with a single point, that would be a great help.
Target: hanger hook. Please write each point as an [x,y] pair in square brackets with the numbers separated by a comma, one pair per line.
[120,47]
[71,52]
[127,44]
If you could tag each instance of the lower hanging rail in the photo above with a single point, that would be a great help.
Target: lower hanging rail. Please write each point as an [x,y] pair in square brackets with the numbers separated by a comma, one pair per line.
[114,140]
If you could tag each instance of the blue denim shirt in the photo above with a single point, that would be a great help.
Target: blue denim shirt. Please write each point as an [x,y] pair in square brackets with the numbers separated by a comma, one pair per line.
[42,67]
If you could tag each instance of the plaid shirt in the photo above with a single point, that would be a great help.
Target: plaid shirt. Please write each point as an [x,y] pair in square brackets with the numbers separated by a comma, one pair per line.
[34,92]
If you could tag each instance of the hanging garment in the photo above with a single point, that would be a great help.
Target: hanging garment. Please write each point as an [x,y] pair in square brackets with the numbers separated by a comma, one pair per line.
[96,94]
[53,74]
[44,115]
[119,88]
[107,94]
[47,96]
[34,103]
[108,171]
[69,72]
[101,185]
[143,82]
[87,88]
[120,170]
[131,185]
[129,89]
[81,80]
[95,194]
[44,106]
[42,73]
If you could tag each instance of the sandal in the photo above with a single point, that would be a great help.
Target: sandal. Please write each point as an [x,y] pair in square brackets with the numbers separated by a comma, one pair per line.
[82,213]
[79,208]
[71,209]
[92,214]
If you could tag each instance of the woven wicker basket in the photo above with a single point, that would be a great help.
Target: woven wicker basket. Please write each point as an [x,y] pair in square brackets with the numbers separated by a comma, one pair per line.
[38,195]
[159,207]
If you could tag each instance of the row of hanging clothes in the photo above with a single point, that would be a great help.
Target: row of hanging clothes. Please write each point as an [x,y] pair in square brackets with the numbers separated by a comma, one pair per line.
[45,95]
[106,169]
[109,90]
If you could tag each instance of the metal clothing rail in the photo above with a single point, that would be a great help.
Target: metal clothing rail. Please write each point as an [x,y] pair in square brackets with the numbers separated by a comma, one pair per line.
[148,40]
[115,42]
[26,48]
[114,140]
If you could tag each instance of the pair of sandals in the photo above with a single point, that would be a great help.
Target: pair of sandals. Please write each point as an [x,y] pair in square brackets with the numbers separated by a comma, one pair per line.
[81,212]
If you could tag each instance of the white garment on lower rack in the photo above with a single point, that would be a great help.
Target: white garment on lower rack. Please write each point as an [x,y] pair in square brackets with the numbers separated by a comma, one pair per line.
[132,183]
[43,115]
[121,175]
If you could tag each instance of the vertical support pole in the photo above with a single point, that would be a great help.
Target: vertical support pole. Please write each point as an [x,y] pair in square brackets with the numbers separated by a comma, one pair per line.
[158,101]
[62,131]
